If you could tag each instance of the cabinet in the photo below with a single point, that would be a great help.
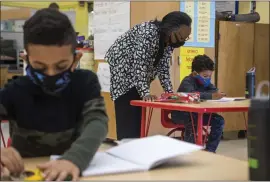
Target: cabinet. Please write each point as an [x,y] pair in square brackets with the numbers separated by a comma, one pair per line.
[241,46]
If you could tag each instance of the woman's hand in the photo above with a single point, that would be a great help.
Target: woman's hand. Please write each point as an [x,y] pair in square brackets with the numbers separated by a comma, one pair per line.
[59,170]
[11,161]
[150,98]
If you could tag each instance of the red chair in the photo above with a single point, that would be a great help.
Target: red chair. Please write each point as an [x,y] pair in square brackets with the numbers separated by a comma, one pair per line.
[9,142]
[166,122]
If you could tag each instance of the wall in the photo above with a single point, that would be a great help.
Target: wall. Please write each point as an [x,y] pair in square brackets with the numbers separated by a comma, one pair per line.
[90,23]
[18,36]
[71,14]
[81,11]
[261,7]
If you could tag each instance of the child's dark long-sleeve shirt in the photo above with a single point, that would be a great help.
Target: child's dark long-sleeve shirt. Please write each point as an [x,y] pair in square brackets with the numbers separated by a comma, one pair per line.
[190,84]
[73,124]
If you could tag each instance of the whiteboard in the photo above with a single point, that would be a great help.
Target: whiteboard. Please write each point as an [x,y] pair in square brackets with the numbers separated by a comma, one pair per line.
[225,6]
[111,19]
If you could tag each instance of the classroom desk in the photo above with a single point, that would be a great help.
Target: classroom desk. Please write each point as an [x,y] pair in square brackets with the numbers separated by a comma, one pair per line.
[201,108]
[199,165]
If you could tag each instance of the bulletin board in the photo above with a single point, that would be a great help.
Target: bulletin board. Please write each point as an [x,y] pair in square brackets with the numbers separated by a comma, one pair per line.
[203,22]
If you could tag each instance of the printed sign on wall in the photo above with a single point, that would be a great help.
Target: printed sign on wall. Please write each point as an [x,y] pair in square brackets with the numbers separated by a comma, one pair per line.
[186,57]
[203,22]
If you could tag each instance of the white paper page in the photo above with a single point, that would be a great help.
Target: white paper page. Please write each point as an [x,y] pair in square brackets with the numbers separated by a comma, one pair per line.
[152,151]
[226,99]
[111,19]
[103,74]
[104,163]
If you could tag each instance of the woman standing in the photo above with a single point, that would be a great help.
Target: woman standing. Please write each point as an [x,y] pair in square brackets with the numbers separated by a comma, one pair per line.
[136,58]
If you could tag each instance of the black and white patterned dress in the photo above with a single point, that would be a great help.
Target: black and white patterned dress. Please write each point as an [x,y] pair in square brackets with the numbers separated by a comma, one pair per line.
[131,59]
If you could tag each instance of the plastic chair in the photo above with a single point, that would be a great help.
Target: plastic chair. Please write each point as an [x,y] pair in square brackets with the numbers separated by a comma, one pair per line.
[166,122]
[9,142]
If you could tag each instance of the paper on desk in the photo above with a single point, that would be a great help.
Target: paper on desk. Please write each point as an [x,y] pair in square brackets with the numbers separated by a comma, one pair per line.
[137,155]
[225,99]
[152,151]
[104,163]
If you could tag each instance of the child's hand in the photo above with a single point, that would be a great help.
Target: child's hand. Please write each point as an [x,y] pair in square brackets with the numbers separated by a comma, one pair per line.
[11,160]
[218,95]
[4,171]
[59,170]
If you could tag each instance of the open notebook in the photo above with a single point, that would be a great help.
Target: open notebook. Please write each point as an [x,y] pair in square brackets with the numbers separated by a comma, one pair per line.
[137,155]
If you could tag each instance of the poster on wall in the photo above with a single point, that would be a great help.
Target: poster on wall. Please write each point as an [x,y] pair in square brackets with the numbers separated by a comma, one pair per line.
[111,19]
[203,22]
[186,57]
[18,25]
[225,6]
[103,73]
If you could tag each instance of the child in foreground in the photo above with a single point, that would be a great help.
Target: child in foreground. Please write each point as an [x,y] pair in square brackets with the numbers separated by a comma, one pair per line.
[55,109]
[200,81]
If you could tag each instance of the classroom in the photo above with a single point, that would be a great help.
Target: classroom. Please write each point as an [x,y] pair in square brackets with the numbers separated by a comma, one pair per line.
[151,90]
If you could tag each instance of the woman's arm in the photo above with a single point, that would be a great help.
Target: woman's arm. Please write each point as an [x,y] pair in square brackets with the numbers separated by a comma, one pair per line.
[164,71]
[145,50]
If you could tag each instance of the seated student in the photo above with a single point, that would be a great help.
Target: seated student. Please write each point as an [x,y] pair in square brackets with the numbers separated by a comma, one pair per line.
[55,109]
[200,81]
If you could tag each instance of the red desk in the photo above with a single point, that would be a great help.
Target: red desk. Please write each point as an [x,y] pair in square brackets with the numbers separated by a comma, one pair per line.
[203,107]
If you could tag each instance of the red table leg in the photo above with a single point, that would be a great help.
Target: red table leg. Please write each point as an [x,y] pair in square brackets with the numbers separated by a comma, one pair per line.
[246,124]
[200,129]
[143,122]
[148,121]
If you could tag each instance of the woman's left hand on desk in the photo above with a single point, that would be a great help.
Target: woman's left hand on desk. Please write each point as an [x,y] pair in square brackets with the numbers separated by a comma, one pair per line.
[150,98]
[59,170]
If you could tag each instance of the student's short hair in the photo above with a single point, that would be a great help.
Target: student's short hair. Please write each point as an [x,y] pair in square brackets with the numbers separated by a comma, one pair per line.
[49,27]
[201,63]
[54,6]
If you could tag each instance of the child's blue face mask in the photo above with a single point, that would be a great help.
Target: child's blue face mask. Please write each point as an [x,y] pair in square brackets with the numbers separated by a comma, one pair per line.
[50,84]
[203,81]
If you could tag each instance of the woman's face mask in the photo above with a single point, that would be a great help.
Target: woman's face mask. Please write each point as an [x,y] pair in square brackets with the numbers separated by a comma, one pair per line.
[177,43]
[179,37]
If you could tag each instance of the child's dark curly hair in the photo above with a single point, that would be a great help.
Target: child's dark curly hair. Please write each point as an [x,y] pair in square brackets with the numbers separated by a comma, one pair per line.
[49,27]
[54,6]
[201,63]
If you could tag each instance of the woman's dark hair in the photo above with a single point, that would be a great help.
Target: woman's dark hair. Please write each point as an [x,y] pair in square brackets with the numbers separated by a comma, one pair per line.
[49,27]
[201,63]
[169,23]
[54,6]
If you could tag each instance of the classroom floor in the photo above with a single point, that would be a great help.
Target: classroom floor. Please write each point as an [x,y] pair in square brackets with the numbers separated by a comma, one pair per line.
[230,146]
